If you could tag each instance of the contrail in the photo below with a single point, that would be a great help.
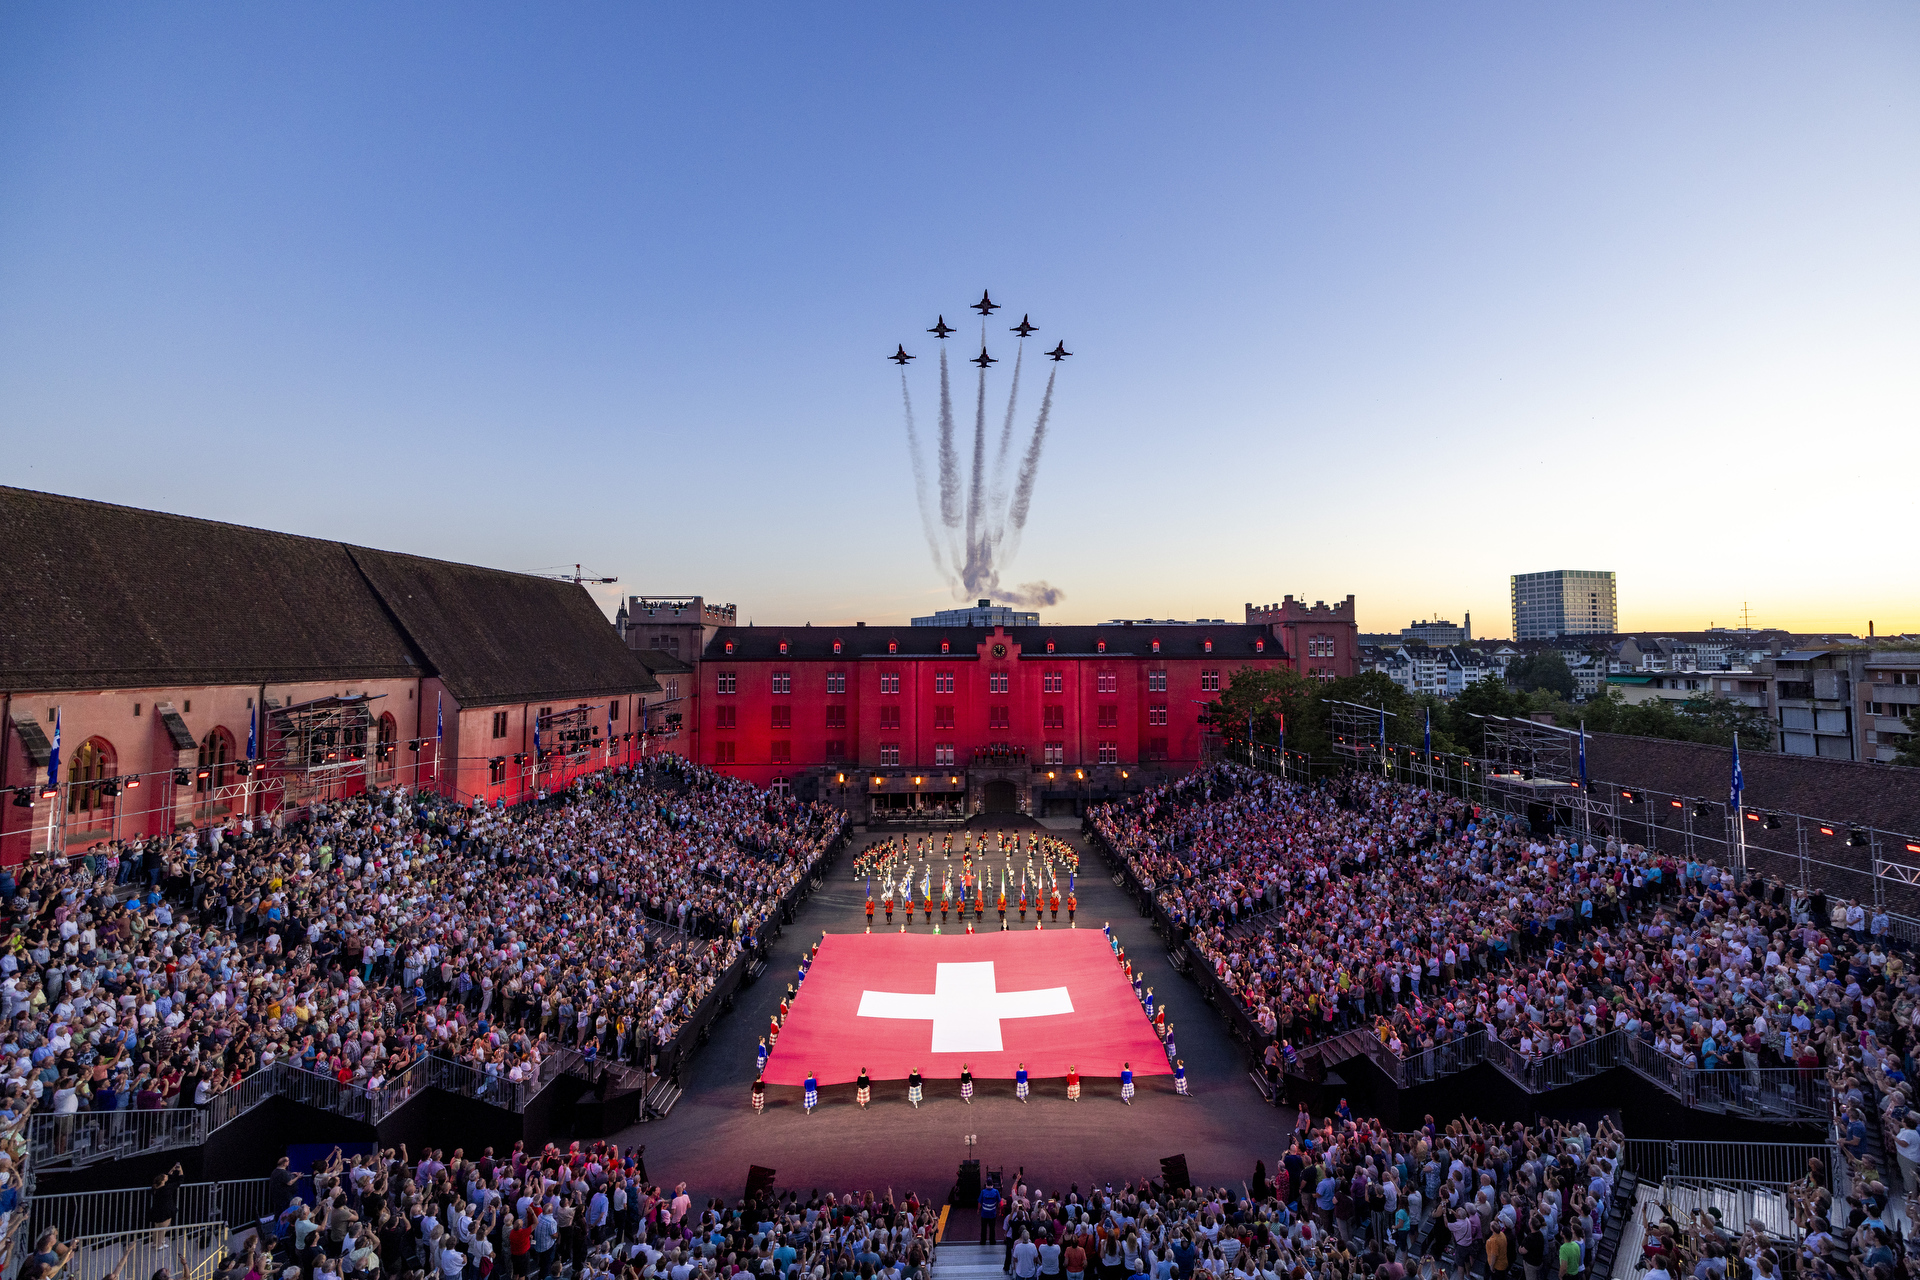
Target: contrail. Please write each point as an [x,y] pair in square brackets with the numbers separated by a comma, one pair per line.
[920,476]
[976,492]
[1023,491]
[997,494]
[949,460]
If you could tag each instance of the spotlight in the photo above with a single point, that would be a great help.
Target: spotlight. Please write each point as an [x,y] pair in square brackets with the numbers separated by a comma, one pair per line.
[181,778]
[204,774]
[1772,823]
[244,768]
[48,793]
[22,798]
[1857,838]
[1702,810]
[132,783]
[414,746]
[110,786]
[1627,797]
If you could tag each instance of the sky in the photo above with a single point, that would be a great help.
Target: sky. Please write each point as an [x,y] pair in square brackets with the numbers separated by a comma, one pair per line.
[1387,300]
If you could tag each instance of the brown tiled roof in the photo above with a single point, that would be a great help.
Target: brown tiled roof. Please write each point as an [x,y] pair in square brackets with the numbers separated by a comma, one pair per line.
[97,596]
[495,637]
[1882,796]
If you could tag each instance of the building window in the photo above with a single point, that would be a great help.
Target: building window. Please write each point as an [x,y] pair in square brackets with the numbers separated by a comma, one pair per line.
[1156,646]
[1157,714]
[1109,753]
[997,682]
[889,684]
[783,717]
[893,646]
[836,717]
[943,682]
[1056,753]
[1207,645]
[890,717]
[723,753]
[889,753]
[613,711]
[1156,682]
[729,647]
[943,753]
[723,717]
[1053,682]
[1049,646]
[1109,716]
[836,750]
[943,646]
[836,682]
[216,753]
[1209,682]
[726,682]
[997,718]
[1320,646]
[783,682]
[92,765]
[943,717]
[782,751]
[1106,682]
[499,724]
[1055,716]
[1156,748]
[1100,646]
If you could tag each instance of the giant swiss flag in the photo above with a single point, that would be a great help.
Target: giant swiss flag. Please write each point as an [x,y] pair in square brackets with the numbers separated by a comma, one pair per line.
[891,1002]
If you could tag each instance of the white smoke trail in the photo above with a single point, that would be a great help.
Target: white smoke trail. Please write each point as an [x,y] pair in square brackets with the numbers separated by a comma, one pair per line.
[1030,465]
[997,490]
[920,476]
[949,459]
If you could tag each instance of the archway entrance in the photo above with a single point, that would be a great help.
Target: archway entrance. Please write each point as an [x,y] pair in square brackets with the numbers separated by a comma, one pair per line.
[1001,796]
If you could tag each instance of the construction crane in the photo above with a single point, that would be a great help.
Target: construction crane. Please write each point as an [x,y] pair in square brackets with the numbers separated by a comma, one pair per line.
[576,577]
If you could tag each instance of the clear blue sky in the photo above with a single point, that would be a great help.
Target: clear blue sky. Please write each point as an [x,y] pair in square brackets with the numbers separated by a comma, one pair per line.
[1385,299]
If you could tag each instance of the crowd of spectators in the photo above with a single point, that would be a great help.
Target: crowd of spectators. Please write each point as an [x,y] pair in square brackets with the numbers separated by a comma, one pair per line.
[383,927]
[1364,902]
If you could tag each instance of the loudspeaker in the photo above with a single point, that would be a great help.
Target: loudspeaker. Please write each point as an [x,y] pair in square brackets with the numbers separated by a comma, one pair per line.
[968,1192]
[759,1179]
[1173,1172]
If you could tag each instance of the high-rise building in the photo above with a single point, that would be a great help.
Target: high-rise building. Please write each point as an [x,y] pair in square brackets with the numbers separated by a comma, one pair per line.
[1439,633]
[1563,602]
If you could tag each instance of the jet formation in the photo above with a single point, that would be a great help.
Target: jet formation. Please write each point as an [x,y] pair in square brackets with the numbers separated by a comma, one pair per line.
[986,306]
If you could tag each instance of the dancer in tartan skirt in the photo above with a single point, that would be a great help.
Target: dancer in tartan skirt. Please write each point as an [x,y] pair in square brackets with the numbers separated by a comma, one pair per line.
[1180,1077]
[966,1084]
[863,1090]
[1126,1083]
[914,1090]
[1020,1082]
[1073,1084]
[812,1099]
[759,1096]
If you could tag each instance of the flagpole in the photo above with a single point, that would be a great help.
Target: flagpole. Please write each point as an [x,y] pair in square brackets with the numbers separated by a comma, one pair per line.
[1739,815]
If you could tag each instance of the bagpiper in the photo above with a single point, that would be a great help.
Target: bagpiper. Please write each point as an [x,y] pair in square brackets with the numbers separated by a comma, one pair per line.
[759,1095]
[966,1084]
[812,1098]
[1126,1083]
[1020,1083]
[1073,1084]
[863,1089]
[1180,1077]
[914,1090]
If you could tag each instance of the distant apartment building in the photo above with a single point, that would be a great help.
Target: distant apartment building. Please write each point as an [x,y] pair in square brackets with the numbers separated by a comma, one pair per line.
[984,613]
[1843,703]
[1746,687]
[1563,602]
[1888,699]
[1440,633]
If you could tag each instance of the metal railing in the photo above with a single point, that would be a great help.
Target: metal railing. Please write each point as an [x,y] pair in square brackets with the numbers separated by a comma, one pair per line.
[1537,1073]
[69,1141]
[1769,1164]
[188,1252]
[1423,1065]
[84,1214]
[1787,1093]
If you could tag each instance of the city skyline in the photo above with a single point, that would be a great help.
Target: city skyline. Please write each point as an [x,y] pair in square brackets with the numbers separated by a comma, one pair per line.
[1388,303]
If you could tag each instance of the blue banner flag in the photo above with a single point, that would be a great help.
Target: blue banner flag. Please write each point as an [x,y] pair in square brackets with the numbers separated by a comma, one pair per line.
[1429,732]
[1583,755]
[253,725]
[439,723]
[1739,783]
[53,757]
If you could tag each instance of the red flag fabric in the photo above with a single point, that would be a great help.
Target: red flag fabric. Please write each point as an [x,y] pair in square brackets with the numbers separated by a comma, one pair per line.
[891,1002]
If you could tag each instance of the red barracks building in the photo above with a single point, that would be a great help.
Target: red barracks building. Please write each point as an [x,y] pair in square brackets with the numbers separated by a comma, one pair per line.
[900,722]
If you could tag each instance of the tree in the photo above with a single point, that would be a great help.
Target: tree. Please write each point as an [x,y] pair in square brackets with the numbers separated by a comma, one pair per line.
[1910,749]
[1266,696]
[1716,719]
[1546,669]
[1485,697]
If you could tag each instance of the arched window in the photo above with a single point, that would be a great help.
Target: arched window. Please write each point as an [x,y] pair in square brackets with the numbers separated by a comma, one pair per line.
[92,765]
[383,753]
[216,761]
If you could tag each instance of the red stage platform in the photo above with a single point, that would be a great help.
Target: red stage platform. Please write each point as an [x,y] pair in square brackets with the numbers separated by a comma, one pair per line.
[891,1002]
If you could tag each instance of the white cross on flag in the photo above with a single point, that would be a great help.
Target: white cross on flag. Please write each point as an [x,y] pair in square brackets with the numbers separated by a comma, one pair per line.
[891,1002]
